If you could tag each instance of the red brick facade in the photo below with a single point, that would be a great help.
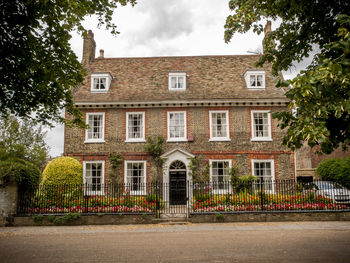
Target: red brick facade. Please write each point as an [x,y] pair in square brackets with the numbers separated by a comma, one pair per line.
[213,83]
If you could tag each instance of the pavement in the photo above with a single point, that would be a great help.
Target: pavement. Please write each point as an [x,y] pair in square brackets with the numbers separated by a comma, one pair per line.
[221,242]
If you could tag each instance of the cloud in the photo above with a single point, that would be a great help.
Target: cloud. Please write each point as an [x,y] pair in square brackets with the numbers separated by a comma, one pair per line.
[163,20]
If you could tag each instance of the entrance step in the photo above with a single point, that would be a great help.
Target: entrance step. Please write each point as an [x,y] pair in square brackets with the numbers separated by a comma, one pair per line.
[171,221]
[173,216]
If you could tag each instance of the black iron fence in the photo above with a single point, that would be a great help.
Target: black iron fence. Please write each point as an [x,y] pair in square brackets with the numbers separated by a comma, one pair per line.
[268,195]
[185,197]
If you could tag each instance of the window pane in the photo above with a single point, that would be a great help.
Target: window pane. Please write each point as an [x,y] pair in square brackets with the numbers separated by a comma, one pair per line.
[252,80]
[259,80]
[93,176]
[261,124]
[173,82]
[180,82]
[135,126]
[263,171]
[103,83]
[219,124]
[220,175]
[96,126]
[135,176]
[177,125]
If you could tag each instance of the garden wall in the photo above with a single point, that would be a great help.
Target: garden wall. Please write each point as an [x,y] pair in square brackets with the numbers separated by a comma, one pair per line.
[270,217]
[104,219]
[8,203]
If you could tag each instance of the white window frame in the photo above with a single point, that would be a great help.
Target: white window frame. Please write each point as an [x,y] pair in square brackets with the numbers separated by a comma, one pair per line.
[102,139]
[272,162]
[226,138]
[250,73]
[143,191]
[180,139]
[88,191]
[141,139]
[220,191]
[258,138]
[108,78]
[177,75]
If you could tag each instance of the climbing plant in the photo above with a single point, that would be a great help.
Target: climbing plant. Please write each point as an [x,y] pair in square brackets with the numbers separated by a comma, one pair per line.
[155,147]
[115,160]
[199,169]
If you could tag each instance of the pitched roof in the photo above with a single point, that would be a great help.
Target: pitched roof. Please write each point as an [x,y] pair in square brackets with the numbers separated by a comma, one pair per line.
[144,79]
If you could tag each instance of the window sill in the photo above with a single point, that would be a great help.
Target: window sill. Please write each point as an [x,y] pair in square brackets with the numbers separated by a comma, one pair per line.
[261,140]
[177,140]
[138,140]
[220,140]
[99,91]
[95,141]
[254,88]
[177,89]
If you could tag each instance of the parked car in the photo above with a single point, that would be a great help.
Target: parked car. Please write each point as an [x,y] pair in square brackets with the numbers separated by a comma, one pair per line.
[331,190]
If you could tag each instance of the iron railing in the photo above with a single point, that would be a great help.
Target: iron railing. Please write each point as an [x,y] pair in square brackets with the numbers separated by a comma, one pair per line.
[185,198]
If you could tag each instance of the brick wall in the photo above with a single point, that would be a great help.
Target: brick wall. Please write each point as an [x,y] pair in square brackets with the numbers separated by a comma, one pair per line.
[240,148]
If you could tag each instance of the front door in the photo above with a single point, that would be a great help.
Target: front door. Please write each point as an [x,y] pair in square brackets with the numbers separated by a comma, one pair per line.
[177,191]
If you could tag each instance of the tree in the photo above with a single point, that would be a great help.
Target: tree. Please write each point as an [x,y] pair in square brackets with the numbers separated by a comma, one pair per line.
[37,65]
[24,173]
[22,139]
[335,169]
[321,92]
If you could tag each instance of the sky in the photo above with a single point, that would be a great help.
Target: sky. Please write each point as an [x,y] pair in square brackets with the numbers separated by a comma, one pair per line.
[164,28]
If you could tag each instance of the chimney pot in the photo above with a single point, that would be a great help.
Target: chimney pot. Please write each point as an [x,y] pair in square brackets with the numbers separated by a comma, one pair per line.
[90,33]
[102,52]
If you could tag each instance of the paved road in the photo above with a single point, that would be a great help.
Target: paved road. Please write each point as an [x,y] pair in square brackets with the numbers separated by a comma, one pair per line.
[231,242]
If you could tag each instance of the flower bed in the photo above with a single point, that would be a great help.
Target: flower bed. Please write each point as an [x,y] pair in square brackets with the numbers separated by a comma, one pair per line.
[263,201]
[126,203]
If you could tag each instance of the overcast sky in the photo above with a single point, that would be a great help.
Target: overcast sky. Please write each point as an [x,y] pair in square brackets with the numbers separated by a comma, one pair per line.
[164,28]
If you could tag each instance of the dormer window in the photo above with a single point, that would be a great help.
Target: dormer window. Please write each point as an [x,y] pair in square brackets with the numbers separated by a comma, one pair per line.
[255,79]
[100,82]
[177,81]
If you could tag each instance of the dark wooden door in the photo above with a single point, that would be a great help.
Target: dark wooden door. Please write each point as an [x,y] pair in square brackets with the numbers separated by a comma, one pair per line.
[178,189]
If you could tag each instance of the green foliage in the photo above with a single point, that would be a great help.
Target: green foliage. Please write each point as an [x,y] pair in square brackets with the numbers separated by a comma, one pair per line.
[63,171]
[335,169]
[38,218]
[155,147]
[51,218]
[38,66]
[116,161]
[241,183]
[24,173]
[23,139]
[199,169]
[321,94]
[219,216]
[67,218]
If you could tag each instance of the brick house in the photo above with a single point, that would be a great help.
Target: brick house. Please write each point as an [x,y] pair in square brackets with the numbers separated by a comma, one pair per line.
[218,107]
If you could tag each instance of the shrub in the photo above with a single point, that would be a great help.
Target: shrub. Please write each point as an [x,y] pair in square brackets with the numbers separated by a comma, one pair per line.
[63,170]
[24,173]
[335,169]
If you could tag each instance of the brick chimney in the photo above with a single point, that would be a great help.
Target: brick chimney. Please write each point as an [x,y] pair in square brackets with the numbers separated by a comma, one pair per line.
[89,48]
[267,30]
[102,52]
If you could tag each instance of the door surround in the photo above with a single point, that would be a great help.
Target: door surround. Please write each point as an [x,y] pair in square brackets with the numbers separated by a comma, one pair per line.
[177,154]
